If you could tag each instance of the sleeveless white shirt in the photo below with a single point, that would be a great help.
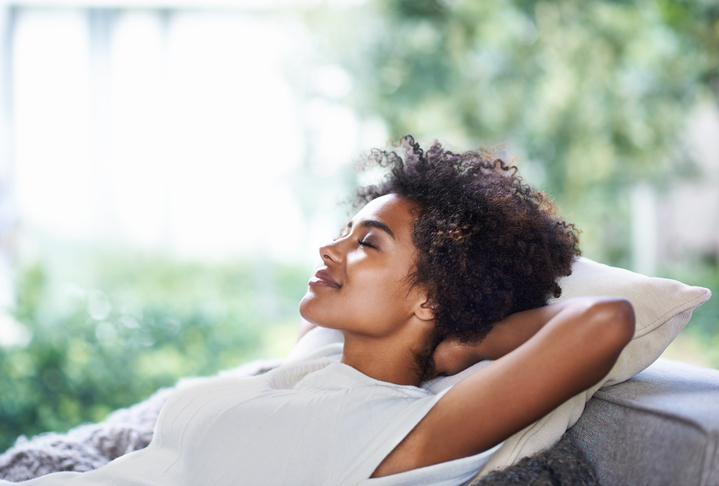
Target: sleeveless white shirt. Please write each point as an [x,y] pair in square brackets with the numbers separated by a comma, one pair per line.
[312,421]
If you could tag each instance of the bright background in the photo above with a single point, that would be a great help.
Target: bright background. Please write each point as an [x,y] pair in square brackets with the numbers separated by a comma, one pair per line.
[168,169]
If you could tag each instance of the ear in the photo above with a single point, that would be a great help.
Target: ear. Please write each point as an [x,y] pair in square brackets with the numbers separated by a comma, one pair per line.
[425,310]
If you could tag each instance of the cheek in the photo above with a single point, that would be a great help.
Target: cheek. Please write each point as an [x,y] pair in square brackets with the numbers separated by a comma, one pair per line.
[385,297]
[379,284]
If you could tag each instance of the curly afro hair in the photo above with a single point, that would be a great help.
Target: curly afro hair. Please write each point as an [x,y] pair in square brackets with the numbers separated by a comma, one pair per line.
[488,244]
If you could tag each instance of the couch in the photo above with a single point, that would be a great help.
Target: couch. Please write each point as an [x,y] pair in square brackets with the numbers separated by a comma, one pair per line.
[661,427]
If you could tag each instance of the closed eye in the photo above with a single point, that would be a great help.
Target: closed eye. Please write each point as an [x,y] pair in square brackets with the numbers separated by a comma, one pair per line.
[365,243]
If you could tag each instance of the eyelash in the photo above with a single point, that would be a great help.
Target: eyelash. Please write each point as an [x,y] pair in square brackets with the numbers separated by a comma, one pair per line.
[359,241]
[364,243]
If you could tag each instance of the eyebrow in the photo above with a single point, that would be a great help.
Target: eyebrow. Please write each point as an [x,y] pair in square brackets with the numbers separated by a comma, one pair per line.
[373,223]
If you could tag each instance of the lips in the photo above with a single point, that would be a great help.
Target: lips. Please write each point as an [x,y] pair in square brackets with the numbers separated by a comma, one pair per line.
[322,278]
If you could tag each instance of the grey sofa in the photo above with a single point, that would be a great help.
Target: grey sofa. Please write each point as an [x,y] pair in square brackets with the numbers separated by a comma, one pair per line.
[661,427]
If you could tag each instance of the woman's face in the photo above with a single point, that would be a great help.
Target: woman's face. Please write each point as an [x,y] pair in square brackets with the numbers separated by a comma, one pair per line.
[361,286]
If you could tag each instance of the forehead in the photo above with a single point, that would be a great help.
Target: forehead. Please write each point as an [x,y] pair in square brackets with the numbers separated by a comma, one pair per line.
[392,210]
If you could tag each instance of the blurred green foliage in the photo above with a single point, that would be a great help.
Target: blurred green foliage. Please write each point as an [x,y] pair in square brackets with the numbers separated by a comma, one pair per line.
[593,97]
[128,324]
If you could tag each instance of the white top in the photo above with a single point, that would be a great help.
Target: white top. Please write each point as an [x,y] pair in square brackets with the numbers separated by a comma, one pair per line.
[312,421]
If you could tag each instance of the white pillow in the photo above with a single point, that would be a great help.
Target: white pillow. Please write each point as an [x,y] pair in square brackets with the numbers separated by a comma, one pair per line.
[662,308]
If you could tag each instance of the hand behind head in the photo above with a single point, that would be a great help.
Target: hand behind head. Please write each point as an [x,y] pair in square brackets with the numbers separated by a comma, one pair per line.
[453,356]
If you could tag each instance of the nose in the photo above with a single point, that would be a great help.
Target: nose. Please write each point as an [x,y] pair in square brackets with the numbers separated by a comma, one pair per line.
[331,252]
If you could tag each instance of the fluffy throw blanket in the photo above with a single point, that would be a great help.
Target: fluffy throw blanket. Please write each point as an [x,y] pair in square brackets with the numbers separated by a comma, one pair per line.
[90,446]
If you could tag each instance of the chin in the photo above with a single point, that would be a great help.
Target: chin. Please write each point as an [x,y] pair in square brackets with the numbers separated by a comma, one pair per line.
[307,308]
[311,311]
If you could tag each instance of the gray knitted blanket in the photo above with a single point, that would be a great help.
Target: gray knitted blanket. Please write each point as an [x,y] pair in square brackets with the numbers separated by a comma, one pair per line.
[90,446]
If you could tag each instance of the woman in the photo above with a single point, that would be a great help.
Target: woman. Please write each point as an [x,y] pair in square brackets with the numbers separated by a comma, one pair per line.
[466,257]
[450,262]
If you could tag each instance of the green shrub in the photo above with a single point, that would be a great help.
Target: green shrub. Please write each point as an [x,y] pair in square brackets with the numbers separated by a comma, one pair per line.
[109,330]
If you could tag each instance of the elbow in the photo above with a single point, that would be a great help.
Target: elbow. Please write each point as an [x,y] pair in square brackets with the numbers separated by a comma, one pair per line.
[607,326]
[613,322]
[621,320]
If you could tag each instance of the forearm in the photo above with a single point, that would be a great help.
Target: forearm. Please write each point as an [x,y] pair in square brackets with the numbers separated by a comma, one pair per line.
[506,335]
[516,329]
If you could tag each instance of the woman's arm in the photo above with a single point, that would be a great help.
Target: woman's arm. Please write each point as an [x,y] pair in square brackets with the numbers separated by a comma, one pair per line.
[451,357]
[554,353]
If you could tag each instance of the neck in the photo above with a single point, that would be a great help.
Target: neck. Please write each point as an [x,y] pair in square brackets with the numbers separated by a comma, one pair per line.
[385,359]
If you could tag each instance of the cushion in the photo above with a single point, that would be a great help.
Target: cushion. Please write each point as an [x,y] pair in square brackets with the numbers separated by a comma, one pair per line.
[662,308]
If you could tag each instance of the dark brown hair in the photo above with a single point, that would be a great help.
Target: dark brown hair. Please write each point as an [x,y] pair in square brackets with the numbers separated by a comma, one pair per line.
[488,244]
